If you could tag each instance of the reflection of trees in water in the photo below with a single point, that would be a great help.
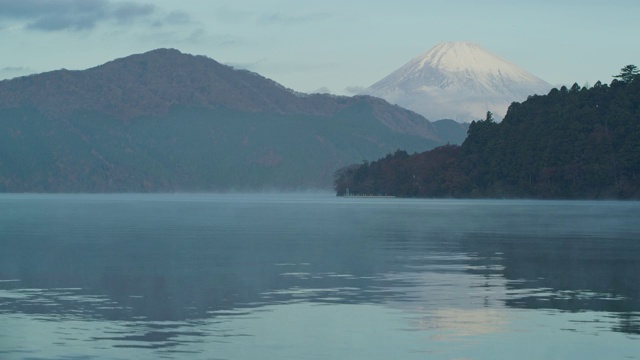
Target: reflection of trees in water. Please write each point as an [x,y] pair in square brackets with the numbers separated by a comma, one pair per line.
[629,323]
[564,273]
[184,278]
[126,283]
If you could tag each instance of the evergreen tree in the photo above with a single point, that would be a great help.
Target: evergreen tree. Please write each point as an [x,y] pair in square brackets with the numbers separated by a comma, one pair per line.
[628,73]
[489,117]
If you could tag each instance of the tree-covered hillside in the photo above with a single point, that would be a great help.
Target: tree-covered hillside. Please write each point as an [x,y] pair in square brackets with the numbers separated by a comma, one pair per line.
[168,121]
[572,144]
[188,149]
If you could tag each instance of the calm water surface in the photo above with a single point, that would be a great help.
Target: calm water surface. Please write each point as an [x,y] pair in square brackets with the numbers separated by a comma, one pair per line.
[312,276]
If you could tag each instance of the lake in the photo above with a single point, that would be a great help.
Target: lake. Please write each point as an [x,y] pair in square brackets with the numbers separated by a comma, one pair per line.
[313,276]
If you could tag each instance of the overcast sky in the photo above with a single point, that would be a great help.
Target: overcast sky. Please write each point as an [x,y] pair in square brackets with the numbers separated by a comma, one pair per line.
[329,45]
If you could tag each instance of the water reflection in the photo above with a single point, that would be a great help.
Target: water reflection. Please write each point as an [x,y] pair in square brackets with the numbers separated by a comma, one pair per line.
[579,273]
[147,276]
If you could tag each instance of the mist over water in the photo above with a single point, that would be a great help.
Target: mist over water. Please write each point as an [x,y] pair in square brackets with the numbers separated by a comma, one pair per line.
[312,276]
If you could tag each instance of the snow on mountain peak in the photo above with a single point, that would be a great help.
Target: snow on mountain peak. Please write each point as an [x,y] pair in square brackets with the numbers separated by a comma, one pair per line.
[458,80]
[457,56]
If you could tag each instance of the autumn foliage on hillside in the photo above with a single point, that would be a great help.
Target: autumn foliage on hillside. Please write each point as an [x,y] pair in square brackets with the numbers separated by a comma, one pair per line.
[576,143]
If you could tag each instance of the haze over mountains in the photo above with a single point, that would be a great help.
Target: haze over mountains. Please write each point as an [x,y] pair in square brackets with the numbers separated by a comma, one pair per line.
[167,121]
[460,81]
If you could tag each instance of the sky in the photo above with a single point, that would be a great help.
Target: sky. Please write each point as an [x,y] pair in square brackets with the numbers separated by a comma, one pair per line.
[332,46]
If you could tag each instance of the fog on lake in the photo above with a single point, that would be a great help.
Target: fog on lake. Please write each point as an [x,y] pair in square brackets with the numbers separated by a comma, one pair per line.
[314,276]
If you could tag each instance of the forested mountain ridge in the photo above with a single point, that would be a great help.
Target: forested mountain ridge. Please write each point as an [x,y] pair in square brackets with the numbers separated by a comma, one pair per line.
[168,121]
[153,82]
[577,143]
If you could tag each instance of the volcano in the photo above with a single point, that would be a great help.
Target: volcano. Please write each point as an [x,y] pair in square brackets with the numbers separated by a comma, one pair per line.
[459,81]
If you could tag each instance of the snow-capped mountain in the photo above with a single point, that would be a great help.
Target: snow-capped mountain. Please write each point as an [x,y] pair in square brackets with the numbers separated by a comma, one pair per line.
[459,81]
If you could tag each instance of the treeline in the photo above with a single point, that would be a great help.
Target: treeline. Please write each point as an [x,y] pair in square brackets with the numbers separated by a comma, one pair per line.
[573,143]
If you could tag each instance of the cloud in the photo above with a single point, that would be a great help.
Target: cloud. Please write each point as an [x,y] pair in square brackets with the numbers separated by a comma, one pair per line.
[63,22]
[29,8]
[194,36]
[74,15]
[354,89]
[15,69]
[9,72]
[173,18]
[125,12]
[322,90]
[251,66]
[177,17]
[230,15]
[285,19]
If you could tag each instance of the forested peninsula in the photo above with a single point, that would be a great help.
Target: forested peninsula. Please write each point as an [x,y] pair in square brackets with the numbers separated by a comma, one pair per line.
[573,143]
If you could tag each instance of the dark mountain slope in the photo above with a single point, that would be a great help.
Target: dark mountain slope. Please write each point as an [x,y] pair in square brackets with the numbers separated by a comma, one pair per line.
[153,82]
[573,143]
[150,83]
[167,121]
[187,149]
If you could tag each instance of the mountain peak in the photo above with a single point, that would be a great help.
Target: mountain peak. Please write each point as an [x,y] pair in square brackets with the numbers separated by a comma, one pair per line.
[148,84]
[458,80]
[460,56]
